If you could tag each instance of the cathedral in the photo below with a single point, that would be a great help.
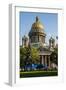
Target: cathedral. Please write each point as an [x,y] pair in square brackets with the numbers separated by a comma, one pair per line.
[36,38]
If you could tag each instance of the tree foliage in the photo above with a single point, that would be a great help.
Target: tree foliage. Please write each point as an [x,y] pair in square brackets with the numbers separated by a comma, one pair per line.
[54,56]
[28,56]
[35,55]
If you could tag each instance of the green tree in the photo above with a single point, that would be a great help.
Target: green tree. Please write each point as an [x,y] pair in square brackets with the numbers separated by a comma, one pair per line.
[54,56]
[22,56]
[28,56]
[35,55]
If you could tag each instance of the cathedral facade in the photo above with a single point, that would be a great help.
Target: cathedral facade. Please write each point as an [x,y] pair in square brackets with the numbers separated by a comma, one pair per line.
[36,38]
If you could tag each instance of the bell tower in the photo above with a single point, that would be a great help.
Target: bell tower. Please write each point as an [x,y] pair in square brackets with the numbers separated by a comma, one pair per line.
[51,44]
[25,41]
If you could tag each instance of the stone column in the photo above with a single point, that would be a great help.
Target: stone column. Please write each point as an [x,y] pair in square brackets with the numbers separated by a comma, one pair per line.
[42,60]
[49,60]
[38,38]
[46,60]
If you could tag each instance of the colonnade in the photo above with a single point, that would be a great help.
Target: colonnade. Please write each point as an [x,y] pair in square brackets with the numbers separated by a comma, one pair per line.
[45,60]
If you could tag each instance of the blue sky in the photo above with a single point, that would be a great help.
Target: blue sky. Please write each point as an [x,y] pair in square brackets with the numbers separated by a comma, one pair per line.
[49,20]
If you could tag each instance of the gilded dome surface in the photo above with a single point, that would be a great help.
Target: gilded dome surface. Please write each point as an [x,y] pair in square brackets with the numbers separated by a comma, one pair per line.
[37,25]
[37,28]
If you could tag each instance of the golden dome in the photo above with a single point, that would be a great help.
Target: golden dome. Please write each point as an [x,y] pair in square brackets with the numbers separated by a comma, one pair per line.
[37,25]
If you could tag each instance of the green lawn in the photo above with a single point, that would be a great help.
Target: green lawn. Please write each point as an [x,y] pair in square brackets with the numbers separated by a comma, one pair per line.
[38,73]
